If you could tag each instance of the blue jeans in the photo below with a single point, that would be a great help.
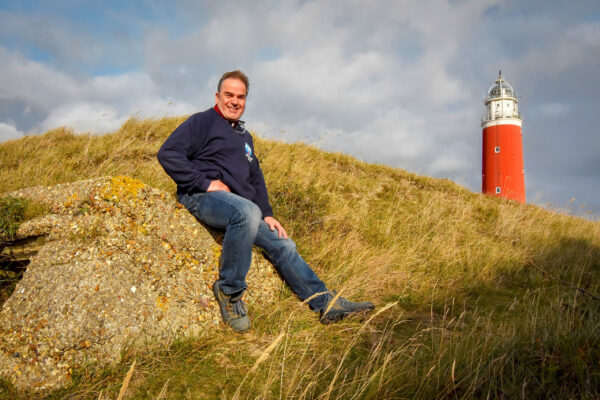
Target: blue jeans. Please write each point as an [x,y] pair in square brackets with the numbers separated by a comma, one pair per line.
[242,222]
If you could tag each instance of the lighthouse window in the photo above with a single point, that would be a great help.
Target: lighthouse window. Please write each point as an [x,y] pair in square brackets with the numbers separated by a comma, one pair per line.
[498,190]
[497,149]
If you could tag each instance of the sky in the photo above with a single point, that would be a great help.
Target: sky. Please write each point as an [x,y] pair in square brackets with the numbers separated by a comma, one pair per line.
[393,82]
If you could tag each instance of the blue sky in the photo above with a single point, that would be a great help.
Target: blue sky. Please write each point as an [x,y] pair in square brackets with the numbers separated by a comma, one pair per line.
[399,83]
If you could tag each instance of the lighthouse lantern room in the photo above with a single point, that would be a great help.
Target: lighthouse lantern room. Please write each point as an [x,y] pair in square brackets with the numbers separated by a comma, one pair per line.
[502,165]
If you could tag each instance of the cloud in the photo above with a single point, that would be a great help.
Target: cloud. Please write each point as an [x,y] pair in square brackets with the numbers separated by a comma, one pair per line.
[84,117]
[8,132]
[61,38]
[94,104]
[33,82]
[553,110]
[398,83]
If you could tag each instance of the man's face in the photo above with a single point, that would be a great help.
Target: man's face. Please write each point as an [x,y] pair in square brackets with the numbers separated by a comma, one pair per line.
[231,100]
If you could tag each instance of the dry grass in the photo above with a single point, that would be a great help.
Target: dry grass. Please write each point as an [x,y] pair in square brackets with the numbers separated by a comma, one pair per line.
[476,297]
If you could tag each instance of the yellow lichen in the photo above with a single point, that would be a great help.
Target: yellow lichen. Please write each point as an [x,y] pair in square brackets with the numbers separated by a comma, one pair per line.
[69,202]
[186,259]
[122,188]
[216,254]
[162,302]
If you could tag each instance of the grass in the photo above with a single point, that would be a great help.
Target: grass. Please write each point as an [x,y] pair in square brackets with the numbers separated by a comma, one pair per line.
[477,297]
[13,211]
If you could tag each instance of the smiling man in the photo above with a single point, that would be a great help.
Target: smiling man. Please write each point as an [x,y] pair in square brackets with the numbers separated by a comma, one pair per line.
[211,158]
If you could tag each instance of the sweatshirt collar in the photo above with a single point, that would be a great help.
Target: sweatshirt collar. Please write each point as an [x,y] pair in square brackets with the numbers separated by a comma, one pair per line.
[234,124]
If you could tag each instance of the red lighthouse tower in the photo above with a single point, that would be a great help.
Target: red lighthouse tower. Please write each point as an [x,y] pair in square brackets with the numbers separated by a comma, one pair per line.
[502,172]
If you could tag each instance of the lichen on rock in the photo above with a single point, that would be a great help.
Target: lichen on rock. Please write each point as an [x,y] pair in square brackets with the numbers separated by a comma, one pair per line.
[122,261]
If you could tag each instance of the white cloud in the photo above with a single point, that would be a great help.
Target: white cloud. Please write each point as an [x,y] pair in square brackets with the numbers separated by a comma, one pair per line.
[84,117]
[33,82]
[95,104]
[393,82]
[8,132]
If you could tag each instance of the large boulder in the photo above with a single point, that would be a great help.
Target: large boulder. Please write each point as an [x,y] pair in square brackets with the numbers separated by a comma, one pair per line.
[121,262]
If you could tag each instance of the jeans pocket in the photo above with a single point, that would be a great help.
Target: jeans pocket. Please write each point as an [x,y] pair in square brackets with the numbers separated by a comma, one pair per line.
[192,203]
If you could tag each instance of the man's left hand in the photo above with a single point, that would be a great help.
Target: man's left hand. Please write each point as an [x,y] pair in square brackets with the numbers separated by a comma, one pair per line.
[274,224]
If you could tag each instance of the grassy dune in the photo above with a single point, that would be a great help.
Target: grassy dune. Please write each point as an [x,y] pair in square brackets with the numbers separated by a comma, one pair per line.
[476,297]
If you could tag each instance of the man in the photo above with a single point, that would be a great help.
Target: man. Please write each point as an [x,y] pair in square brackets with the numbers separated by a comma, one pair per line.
[211,158]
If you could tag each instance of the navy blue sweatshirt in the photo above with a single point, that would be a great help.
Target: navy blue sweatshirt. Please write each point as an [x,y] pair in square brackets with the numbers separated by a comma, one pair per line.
[205,148]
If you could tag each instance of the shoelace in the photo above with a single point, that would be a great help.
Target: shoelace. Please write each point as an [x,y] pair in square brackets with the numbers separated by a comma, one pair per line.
[343,302]
[239,308]
[340,300]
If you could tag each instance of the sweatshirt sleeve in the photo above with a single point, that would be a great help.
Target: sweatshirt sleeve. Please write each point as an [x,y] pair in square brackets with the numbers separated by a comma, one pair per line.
[175,153]
[261,197]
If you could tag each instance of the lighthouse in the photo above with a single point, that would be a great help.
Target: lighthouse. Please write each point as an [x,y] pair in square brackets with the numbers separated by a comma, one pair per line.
[502,172]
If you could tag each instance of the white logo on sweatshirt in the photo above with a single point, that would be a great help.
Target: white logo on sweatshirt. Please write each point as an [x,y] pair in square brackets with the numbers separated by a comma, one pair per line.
[248,152]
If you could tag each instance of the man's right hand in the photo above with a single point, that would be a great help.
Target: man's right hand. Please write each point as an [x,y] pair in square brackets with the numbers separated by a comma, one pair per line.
[217,185]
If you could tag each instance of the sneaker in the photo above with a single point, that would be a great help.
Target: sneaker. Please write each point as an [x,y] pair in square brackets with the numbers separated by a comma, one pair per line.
[233,309]
[342,308]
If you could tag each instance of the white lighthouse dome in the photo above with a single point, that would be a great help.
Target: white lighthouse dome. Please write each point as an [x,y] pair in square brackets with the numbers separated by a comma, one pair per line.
[501,88]
[501,104]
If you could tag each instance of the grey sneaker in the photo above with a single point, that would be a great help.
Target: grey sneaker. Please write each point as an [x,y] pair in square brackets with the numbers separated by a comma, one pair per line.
[342,308]
[233,310]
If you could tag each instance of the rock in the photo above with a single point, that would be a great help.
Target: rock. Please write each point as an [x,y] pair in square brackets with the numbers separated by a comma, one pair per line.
[121,262]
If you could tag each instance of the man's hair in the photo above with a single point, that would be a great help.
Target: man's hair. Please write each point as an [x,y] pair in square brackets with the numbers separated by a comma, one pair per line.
[237,74]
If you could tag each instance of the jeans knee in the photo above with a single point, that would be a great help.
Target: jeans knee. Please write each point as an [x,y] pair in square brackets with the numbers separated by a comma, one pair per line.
[285,250]
[288,245]
[248,214]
